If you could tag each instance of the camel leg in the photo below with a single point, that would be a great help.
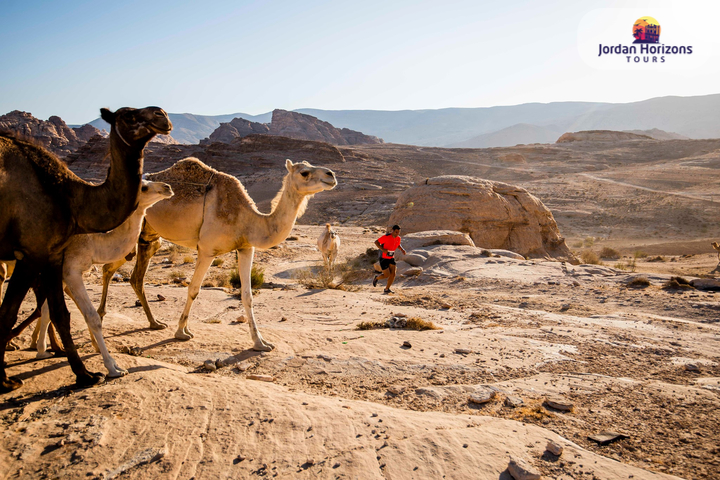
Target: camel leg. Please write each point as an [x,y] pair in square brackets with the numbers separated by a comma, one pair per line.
[52,280]
[76,290]
[201,267]
[22,279]
[41,331]
[245,260]
[145,251]
[109,270]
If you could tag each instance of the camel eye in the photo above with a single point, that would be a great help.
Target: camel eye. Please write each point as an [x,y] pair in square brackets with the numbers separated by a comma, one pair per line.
[305,174]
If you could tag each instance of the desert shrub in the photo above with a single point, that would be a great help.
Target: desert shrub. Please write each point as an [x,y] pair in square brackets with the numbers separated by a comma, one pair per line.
[292,238]
[609,253]
[413,323]
[659,258]
[176,274]
[188,259]
[217,262]
[589,241]
[590,257]
[677,283]
[640,254]
[578,244]
[343,275]
[639,282]
[630,265]
[370,325]
[257,278]
[173,253]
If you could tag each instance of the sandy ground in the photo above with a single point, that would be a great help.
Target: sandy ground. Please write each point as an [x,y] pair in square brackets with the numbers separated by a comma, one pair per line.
[348,403]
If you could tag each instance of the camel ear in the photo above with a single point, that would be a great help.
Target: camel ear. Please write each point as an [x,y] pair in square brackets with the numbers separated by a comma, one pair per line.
[107,115]
[289,164]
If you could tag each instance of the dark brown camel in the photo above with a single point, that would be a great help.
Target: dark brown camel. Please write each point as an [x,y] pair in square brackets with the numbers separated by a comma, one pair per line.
[44,203]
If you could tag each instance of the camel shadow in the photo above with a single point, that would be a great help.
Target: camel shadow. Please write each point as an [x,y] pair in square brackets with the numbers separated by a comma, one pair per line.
[127,332]
[161,343]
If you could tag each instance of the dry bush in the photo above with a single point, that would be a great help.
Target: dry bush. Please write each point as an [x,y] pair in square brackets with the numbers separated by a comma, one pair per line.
[639,282]
[589,241]
[257,278]
[217,262]
[659,258]
[413,323]
[349,272]
[609,253]
[370,325]
[590,257]
[188,259]
[176,274]
[630,265]
[173,253]
[536,412]
[677,283]
[640,254]
[578,244]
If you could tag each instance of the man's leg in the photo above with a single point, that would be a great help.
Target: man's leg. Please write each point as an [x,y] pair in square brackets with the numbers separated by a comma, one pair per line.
[391,276]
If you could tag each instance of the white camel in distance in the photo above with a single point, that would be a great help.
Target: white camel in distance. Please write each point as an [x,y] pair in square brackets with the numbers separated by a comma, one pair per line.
[329,246]
[100,248]
[212,213]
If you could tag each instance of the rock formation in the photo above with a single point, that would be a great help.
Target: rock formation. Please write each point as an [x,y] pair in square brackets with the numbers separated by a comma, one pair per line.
[600,136]
[53,133]
[494,214]
[293,125]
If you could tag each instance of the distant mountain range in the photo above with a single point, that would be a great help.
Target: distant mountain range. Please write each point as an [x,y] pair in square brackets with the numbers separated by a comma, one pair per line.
[692,117]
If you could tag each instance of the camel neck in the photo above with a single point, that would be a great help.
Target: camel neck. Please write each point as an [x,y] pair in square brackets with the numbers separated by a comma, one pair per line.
[99,208]
[278,224]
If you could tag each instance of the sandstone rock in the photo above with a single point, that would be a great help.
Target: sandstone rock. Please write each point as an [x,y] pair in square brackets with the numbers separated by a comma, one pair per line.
[210,366]
[521,470]
[414,259]
[559,403]
[483,395]
[396,389]
[53,133]
[495,214]
[236,128]
[429,392]
[413,272]
[463,351]
[554,448]
[711,284]
[600,136]
[513,401]
[498,252]
[426,238]
[262,378]
[406,344]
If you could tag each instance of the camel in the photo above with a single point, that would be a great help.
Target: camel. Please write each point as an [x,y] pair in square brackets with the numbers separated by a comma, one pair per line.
[716,246]
[329,245]
[212,213]
[44,204]
[100,248]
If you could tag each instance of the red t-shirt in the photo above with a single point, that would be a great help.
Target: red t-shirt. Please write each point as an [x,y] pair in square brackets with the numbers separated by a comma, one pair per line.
[389,243]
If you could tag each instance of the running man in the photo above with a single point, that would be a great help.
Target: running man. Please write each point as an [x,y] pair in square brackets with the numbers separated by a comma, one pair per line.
[388,243]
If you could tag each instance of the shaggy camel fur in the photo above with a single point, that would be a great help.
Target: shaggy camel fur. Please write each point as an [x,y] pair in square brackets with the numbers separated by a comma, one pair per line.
[100,248]
[329,245]
[212,213]
[44,204]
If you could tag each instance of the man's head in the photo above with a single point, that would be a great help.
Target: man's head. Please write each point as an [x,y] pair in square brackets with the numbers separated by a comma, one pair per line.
[395,230]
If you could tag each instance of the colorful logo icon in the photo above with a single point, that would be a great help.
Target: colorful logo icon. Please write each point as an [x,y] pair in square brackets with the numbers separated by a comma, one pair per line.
[646,30]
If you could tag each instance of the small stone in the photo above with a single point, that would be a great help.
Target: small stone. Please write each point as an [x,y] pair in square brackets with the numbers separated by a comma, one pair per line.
[406,344]
[442,355]
[210,366]
[482,396]
[554,448]
[117,277]
[445,305]
[559,404]
[521,470]
[137,303]
[219,363]
[396,389]
[413,271]
[241,319]
[513,401]
[160,298]
[691,367]
[262,378]
[565,307]
[463,351]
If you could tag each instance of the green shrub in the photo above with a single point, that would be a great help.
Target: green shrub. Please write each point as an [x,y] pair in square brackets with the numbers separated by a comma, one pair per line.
[257,278]
[217,262]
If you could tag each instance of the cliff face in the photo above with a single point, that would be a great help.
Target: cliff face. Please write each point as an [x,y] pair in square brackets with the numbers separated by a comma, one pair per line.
[53,133]
[292,125]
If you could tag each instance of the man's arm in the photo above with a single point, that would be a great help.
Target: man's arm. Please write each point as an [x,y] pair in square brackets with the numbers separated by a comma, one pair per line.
[403,250]
[378,245]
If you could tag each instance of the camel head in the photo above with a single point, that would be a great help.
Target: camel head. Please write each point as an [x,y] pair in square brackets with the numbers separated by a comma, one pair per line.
[137,125]
[716,246]
[308,180]
[153,192]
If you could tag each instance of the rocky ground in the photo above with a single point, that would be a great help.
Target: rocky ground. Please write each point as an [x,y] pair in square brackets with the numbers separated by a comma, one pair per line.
[349,403]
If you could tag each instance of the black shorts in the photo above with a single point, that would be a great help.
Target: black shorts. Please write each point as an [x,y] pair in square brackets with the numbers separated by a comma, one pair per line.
[386,262]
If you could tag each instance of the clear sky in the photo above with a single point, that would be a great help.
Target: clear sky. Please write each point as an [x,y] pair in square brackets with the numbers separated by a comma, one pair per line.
[69,58]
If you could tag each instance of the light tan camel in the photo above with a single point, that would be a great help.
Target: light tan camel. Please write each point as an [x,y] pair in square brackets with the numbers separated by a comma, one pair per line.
[212,213]
[716,246]
[329,245]
[100,248]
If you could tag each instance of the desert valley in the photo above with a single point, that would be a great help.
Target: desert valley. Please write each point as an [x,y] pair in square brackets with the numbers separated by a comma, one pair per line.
[557,314]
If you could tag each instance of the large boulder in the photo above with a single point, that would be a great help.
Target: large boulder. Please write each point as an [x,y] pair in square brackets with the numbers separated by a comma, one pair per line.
[494,214]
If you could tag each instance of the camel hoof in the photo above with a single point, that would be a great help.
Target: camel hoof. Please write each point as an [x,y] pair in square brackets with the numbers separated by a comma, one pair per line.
[158,326]
[10,384]
[42,355]
[59,353]
[264,347]
[89,378]
[119,372]
[183,336]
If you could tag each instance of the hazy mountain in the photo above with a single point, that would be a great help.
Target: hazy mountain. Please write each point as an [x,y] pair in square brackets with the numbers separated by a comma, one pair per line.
[658,134]
[511,136]
[693,117]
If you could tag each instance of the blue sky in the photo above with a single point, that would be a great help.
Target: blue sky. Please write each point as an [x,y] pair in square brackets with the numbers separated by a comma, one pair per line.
[69,58]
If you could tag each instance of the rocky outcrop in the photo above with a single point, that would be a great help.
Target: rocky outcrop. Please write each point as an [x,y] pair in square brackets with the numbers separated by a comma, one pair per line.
[87,131]
[600,136]
[292,125]
[494,214]
[53,133]
[237,128]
